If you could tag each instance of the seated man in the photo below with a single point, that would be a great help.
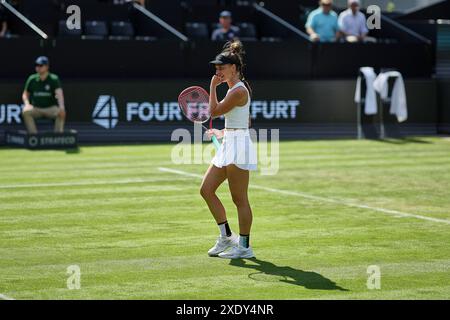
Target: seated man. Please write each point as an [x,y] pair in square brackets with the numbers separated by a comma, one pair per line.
[43,97]
[322,23]
[227,31]
[352,22]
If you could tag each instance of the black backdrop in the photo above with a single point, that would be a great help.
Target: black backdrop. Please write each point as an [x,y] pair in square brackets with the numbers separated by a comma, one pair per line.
[299,108]
[167,59]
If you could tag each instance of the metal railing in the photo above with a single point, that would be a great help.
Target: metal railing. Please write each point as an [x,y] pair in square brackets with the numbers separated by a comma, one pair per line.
[24,19]
[281,21]
[161,22]
[403,6]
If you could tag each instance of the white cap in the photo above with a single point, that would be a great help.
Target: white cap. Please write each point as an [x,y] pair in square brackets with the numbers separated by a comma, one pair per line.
[350,2]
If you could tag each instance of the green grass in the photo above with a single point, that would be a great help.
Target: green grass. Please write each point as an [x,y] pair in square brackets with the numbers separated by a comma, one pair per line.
[139,233]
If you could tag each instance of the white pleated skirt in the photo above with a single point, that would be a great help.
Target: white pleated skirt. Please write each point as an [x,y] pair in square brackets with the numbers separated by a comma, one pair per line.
[237,148]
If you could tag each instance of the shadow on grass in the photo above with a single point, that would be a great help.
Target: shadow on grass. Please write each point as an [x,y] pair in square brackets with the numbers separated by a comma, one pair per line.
[66,151]
[406,140]
[306,279]
[73,151]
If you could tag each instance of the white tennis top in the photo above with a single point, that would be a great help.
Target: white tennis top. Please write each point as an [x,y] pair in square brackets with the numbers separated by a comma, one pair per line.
[237,118]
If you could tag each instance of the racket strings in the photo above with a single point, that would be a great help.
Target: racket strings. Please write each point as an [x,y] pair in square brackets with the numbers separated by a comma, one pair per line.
[194,103]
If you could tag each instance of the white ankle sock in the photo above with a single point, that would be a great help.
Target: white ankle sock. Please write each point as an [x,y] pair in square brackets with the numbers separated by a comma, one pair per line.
[223,229]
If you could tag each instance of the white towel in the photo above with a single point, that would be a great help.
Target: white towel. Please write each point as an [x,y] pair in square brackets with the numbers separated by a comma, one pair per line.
[370,107]
[398,99]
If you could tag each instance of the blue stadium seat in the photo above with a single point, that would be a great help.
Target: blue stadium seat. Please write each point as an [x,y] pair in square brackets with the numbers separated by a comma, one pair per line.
[121,30]
[95,30]
[146,38]
[197,30]
[63,31]
[247,31]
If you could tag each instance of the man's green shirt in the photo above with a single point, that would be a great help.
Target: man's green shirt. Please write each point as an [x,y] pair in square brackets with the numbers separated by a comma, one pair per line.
[42,93]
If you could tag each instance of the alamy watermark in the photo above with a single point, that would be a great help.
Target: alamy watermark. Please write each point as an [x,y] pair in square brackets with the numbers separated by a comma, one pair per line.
[74,279]
[374,17]
[250,148]
[374,279]
[73,22]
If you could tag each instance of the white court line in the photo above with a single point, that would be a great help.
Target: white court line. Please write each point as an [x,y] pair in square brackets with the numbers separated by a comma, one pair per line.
[322,199]
[3,297]
[70,184]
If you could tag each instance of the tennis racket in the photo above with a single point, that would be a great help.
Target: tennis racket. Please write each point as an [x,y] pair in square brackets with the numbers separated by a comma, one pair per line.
[194,103]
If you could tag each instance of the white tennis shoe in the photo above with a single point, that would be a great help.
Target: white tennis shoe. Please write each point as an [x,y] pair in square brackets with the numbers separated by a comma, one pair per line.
[238,252]
[222,244]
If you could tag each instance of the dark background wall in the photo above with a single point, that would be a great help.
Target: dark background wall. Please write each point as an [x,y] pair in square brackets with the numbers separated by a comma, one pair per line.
[287,60]
[444,106]
[326,108]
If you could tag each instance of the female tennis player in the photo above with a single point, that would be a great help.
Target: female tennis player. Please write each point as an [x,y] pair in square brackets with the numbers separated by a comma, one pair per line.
[236,155]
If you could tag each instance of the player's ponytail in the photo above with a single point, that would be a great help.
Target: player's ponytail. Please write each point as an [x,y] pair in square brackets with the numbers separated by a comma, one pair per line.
[235,48]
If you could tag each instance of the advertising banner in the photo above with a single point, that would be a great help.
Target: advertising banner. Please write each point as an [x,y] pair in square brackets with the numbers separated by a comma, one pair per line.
[142,111]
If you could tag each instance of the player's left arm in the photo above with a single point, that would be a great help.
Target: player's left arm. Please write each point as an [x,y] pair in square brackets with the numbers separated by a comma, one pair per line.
[215,132]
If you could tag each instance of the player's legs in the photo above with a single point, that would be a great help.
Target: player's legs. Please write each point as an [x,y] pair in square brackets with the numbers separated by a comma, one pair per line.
[238,181]
[29,113]
[213,178]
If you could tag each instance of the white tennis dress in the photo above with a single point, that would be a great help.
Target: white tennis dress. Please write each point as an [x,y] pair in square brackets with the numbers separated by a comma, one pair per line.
[237,147]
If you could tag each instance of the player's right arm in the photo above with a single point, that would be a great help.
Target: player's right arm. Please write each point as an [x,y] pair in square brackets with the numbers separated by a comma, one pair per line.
[26,93]
[231,100]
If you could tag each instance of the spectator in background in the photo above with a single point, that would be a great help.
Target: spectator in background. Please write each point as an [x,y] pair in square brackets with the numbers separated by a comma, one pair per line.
[227,31]
[3,23]
[322,23]
[43,97]
[352,22]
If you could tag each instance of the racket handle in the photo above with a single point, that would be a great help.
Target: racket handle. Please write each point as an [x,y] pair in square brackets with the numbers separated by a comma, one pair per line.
[216,142]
